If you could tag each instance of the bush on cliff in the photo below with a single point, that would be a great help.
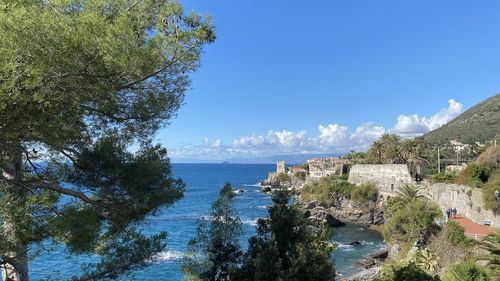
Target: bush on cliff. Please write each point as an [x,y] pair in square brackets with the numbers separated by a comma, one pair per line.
[455,234]
[364,193]
[492,185]
[300,175]
[475,175]
[282,178]
[327,190]
[443,177]
[409,221]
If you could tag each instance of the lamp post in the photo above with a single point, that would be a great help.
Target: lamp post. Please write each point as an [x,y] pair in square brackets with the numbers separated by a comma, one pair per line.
[497,195]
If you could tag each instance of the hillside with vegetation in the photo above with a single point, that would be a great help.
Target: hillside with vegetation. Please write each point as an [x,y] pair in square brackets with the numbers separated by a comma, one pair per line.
[480,123]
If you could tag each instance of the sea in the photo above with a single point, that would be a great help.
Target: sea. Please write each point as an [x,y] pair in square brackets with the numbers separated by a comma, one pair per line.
[203,182]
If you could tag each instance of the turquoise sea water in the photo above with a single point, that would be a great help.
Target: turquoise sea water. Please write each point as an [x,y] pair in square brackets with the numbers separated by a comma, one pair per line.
[203,182]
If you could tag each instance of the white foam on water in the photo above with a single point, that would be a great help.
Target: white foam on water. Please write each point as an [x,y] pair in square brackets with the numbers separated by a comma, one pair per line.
[254,185]
[250,222]
[168,256]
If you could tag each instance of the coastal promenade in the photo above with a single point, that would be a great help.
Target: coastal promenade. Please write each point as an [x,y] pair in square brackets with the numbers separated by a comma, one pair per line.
[472,229]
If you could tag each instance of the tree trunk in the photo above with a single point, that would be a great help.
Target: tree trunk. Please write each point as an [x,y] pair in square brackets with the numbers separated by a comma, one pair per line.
[15,264]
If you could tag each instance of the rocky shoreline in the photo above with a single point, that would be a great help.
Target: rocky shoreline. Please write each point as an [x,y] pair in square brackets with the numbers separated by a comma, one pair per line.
[343,212]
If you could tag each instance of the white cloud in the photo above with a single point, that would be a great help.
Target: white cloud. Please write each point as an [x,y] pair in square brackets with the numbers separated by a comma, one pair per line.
[413,125]
[331,138]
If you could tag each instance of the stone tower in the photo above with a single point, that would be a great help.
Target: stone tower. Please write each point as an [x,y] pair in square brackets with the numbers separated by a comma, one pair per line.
[280,166]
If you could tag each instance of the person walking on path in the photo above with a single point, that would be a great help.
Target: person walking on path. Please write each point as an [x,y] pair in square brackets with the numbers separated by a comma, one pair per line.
[448,212]
[454,213]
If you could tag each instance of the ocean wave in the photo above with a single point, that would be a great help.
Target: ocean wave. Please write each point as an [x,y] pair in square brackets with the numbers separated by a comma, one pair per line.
[250,222]
[263,207]
[168,256]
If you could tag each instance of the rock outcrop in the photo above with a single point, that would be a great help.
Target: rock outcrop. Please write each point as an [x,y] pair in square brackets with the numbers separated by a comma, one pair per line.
[365,275]
[346,213]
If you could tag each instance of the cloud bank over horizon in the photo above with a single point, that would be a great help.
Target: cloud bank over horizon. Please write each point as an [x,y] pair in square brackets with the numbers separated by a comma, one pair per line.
[330,139]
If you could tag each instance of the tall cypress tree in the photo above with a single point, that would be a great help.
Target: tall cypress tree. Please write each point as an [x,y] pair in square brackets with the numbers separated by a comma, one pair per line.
[80,82]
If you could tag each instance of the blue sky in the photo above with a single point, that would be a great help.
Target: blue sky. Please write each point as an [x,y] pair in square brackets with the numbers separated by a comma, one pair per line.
[280,69]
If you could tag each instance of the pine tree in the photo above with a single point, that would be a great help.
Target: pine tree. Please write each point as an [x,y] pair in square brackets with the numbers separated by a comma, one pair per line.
[286,248]
[80,82]
[214,253]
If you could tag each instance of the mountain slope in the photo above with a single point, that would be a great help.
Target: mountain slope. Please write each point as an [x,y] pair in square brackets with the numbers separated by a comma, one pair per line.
[480,123]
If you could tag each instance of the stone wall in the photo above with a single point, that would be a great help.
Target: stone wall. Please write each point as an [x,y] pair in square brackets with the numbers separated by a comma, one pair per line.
[467,200]
[386,177]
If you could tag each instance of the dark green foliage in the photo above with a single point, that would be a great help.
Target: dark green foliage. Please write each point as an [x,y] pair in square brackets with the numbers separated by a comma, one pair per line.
[443,177]
[392,149]
[476,175]
[364,193]
[129,250]
[492,185]
[81,82]
[283,177]
[480,123]
[467,271]
[285,248]
[455,234]
[409,221]
[214,253]
[330,189]
[491,244]
[301,175]
[400,271]
[327,190]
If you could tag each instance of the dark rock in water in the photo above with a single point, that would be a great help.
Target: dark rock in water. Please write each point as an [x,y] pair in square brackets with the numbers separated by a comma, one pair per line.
[240,191]
[333,222]
[380,255]
[354,243]
[265,188]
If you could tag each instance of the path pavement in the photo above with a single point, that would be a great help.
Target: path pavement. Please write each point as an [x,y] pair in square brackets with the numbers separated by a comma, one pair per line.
[472,229]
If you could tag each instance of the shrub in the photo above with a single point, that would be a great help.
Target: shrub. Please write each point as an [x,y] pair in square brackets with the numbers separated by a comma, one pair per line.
[300,175]
[282,177]
[467,271]
[327,190]
[475,175]
[455,234]
[443,177]
[403,271]
[409,221]
[493,184]
[364,193]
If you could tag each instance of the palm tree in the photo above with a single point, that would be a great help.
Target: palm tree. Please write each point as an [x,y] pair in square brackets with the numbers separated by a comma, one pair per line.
[492,245]
[413,152]
[375,153]
[391,149]
[409,193]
